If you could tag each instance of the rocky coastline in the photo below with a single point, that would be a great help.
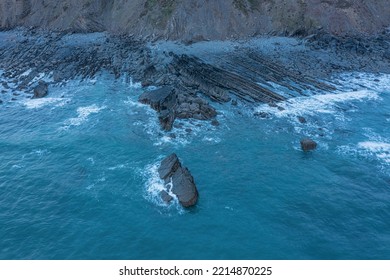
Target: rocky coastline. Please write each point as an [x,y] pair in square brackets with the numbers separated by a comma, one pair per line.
[196,75]
[185,81]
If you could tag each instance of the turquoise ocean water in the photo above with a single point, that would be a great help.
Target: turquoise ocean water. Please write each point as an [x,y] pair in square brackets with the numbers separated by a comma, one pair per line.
[78,177]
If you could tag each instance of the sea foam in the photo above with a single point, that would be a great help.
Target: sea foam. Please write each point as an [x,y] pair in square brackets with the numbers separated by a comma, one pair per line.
[380,150]
[325,103]
[82,115]
[41,102]
[154,185]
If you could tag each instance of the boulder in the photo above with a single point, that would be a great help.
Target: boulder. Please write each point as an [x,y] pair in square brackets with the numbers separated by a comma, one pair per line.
[160,99]
[180,180]
[41,90]
[308,144]
[301,119]
[215,123]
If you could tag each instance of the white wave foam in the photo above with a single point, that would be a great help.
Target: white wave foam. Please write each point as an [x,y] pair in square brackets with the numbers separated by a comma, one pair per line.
[119,166]
[41,102]
[26,73]
[326,103]
[380,150]
[154,186]
[211,139]
[369,81]
[83,114]
[134,85]
[39,152]
[137,104]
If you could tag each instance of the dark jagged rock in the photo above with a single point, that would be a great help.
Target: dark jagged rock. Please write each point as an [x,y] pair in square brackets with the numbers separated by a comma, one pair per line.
[168,166]
[166,197]
[41,90]
[171,106]
[180,180]
[215,123]
[308,145]
[301,119]
[160,99]
[183,186]
[5,85]
[262,115]
[166,118]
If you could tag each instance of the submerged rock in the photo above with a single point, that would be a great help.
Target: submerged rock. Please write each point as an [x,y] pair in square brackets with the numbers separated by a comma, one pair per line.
[215,123]
[301,119]
[308,144]
[262,115]
[179,180]
[41,90]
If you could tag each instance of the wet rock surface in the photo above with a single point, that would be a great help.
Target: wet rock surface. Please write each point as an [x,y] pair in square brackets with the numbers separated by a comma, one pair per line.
[41,90]
[179,182]
[308,145]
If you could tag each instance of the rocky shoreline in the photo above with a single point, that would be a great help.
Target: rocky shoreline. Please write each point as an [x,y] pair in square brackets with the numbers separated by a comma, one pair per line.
[182,81]
[233,71]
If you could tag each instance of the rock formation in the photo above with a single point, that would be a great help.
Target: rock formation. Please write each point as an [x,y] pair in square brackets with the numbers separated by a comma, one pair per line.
[308,145]
[41,90]
[179,181]
[194,20]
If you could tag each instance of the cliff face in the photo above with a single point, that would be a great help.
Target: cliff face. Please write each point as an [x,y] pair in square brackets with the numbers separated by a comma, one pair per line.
[199,19]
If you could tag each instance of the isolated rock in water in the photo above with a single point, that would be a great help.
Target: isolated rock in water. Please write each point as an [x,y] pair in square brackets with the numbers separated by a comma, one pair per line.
[215,123]
[301,119]
[182,182]
[308,145]
[41,90]
[159,99]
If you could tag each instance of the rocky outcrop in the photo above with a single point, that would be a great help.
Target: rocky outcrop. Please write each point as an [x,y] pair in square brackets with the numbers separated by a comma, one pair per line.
[159,99]
[308,145]
[194,20]
[169,106]
[178,181]
[41,90]
[162,100]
